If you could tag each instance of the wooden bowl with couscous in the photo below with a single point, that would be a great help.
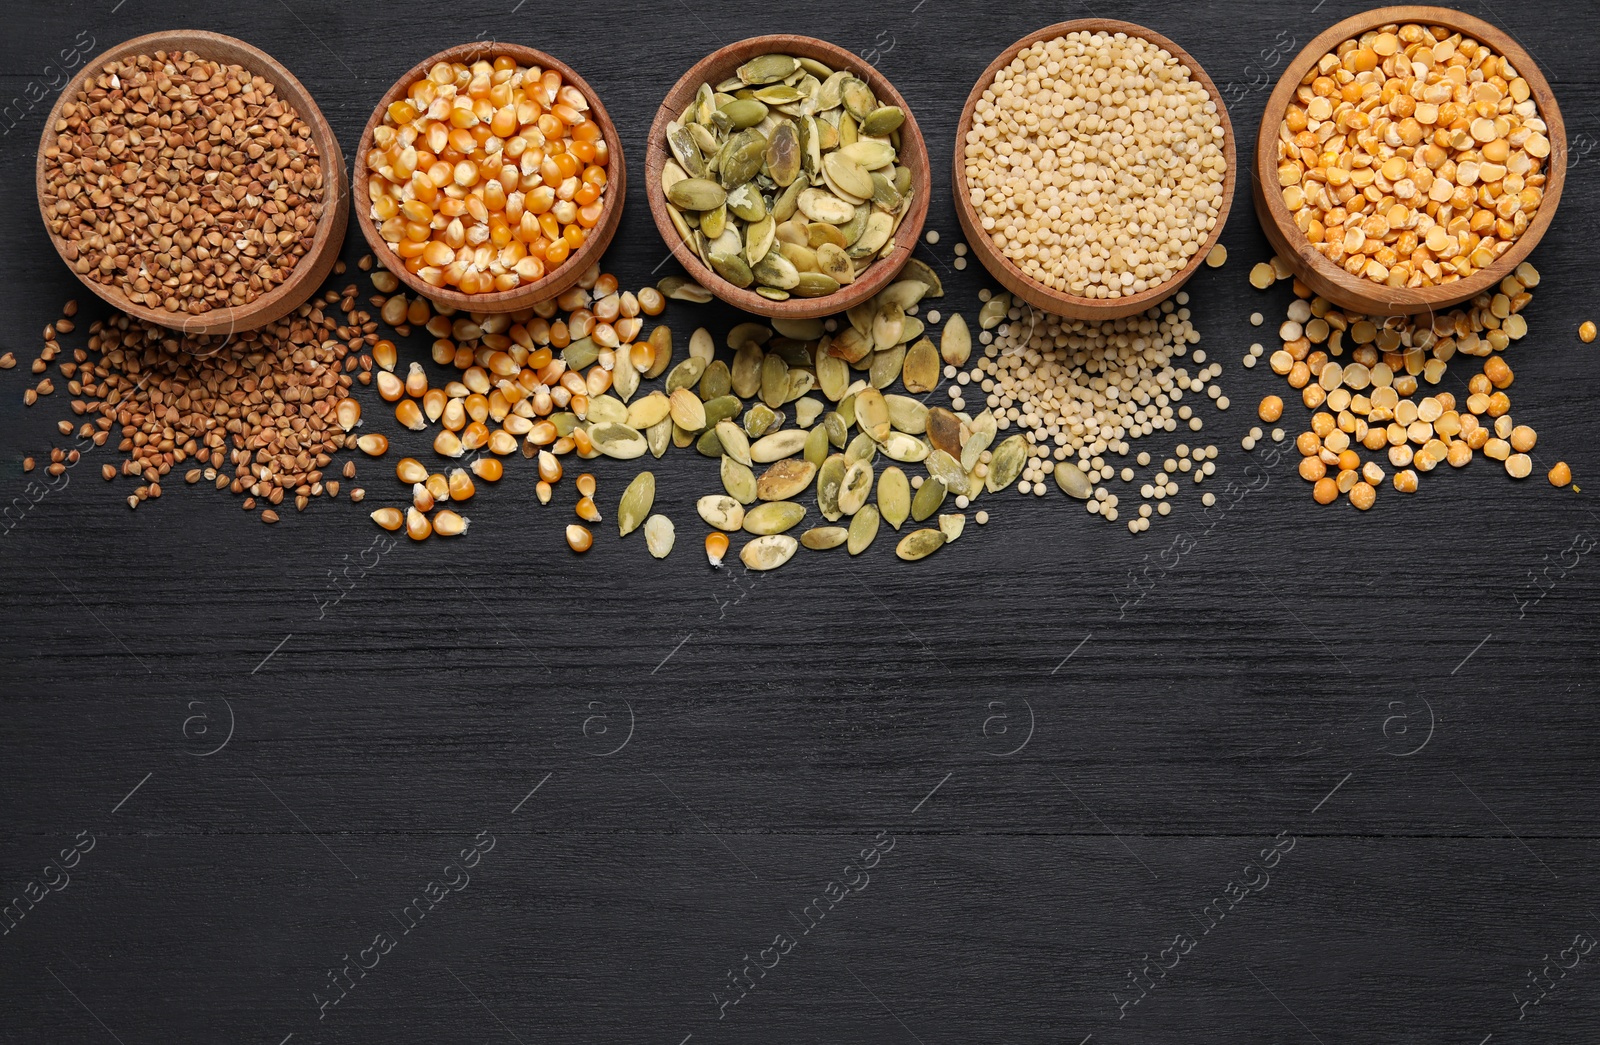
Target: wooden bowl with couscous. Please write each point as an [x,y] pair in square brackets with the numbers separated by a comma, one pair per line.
[1089,272]
[1490,131]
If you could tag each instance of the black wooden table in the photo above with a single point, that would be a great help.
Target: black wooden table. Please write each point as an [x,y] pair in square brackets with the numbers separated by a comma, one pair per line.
[1300,776]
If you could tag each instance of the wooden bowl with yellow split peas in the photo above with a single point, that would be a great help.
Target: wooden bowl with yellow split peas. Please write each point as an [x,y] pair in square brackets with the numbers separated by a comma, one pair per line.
[1483,133]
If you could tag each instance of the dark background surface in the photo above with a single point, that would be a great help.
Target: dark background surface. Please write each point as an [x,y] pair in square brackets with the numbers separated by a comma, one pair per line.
[1390,690]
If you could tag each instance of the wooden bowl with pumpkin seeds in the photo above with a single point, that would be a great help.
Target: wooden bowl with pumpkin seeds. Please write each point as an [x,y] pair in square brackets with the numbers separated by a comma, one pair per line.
[755,141]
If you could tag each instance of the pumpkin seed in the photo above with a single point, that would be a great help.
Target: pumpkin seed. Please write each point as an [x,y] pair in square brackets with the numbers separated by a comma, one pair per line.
[904,293]
[806,411]
[746,204]
[722,408]
[880,227]
[716,381]
[658,436]
[944,430]
[708,445]
[800,329]
[714,222]
[906,414]
[942,466]
[1072,481]
[624,381]
[907,449]
[681,437]
[872,413]
[768,553]
[888,325]
[581,354]
[886,367]
[685,151]
[743,112]
[774,380]
[659,536]
[636,502]
[647,411]
[820,205]
[983,430]
[894,496]
[919,544]
[721,511]
[857,98]
[732,268]
[661,340]
[952,526]
[768,68]
[758,239]
[618,441]
[850,345]
[783,154]
[919,270]
[772,517]
[1006,463]
[687,411]
[777,446]
[785,479]
[759,420]
[680,289]
[955,344]
[697,194]
[702,347]
[830,477]
[861,448]
[815,285]
[994,311]
[738,480]
[921,372]
[870,155]
[863,528]
[847,175]
[929,496]
[833,374]
[821,538]
[816,448]
[855,487]
[884,120]
[833,262]
[734,442]
[838,431]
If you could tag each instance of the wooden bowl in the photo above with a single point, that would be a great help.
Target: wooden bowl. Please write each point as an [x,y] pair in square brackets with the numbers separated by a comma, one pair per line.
[1357,292]
[718,66]
[312,268]
[553,282]
[1003,268]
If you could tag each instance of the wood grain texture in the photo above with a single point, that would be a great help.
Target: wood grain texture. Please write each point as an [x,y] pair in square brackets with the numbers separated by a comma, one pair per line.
[1187,705]
[718,66]
[552,283]
[1002,268]
[314,266]
[1357,292]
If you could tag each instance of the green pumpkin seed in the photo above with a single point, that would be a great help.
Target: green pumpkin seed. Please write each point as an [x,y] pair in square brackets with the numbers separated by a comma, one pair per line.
[604,409]
[816,448]
[830,477]
[759,420]
[767,68]
[713,223]
[659,536]
[744,112]
[870,155]
[846,175]
[906,414]
[857,98]
[882,121]
[851,230]
[919,544]
[886,367]
[758,239]
[850,345]
[944,431]
[681,437]
[894,496]
[861,448]
[721,511]
[774,380]
[800,329]
[847,406]
[821,538]
[784,207]
[863,528]
[723,408]
[746,203]
[884,195]
[855,487]
[921,372]
[907,449]
[697,194]
[815,285]
[772,517]
[732,268]
[647,411]
[741,158]
[636,501]
[955,344]
[716,381]
[739,481]
[746,374]
[685,151]
[777,446]
[1006,463]
[1072,481]
[618,441]
[768,553]
[838,431]
[708,445]
[777,272]
[880,227]
[785,479]
[833,375]
[929,496]
[581,354]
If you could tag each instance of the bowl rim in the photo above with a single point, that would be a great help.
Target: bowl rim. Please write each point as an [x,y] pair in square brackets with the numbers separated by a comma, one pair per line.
[1002,267]
[882,272]
[1333,282]
[552,283]
[309,273]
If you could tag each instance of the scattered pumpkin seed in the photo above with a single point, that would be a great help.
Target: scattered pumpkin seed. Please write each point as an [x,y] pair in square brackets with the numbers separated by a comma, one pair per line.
[769,552]
[929,496]
[772,517]
[739,481]
[952,526]
[1006,463]
[618,441]
[955,343]
[830,477]
[821,538]
[919,544]
[785,479]
[894,496]
[1072,481]
[659,535]
[863,528]
[777,446]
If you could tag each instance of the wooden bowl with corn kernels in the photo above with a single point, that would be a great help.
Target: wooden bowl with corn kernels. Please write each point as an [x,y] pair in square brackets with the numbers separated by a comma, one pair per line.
[1289,192]
[370,182]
